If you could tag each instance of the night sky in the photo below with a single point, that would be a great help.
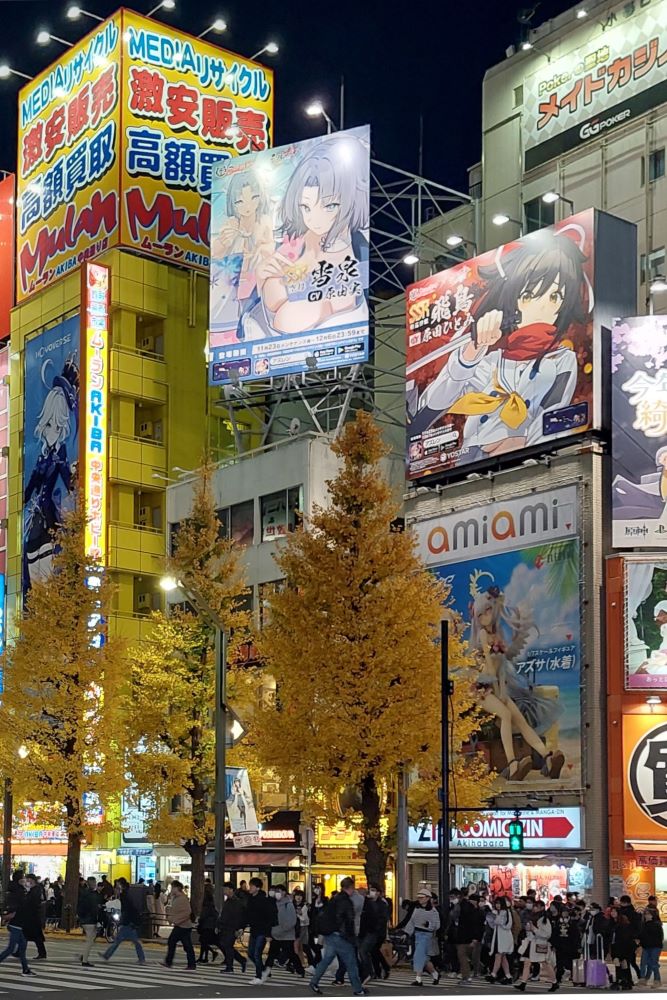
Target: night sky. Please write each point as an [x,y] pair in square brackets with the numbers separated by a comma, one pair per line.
[398,59]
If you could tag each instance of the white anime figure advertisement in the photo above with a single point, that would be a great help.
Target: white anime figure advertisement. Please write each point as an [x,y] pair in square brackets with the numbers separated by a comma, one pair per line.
[639,432]
[645,624]
[241,809]
[290,259]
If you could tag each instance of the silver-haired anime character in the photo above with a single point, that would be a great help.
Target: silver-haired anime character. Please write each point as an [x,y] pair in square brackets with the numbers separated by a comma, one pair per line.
[317,276]
[243,241]
[645,499]
[498,634]
[42,496]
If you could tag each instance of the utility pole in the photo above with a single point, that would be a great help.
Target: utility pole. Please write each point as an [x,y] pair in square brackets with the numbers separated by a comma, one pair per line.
[220,762]
[445,691]
[401,841]
[8,807]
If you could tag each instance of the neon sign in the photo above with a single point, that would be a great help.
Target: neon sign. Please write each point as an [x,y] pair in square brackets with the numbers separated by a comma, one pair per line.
[96,403]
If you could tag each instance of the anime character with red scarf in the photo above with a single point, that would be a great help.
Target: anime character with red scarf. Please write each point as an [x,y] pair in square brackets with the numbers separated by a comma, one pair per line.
[514,367]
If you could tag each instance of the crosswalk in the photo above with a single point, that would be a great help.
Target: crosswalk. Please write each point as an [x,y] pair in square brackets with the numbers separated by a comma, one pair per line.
[121,974]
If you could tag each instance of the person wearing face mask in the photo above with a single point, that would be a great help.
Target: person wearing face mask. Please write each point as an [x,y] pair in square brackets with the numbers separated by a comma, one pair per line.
[537,950]
[502,941]
[424,924]
[283,934]
[651,939]
[372,926]
[566,939]
[597,924]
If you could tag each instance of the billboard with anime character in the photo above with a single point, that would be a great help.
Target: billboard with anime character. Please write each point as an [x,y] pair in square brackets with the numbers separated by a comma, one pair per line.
[51,442]
[639,432]
[517,604]
[502,350]
[290,259]
[645,623]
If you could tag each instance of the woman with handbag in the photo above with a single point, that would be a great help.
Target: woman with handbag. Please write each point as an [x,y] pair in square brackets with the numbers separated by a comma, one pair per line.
[502,941]
[539,951]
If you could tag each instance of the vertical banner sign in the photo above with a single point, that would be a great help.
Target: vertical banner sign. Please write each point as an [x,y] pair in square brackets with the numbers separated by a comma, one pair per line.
[4,443]
[290,259]
[96,401]
[639,432]
[187,106]
[68,164]
[241,808]
[7,196]
[50,441]
[514,575]
[500,350]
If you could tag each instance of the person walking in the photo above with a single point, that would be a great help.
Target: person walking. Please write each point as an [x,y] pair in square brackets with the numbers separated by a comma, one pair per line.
[180,917]
[32,921]
[651,938]
[469,931]
[232,918]
[337,926]
[314,911]
[502,941]
[206,927]
[262,915]
[15,914]
[370,929]
[623,948]
[537,950]
[301,945]
[424,924]
[130,922]
[87,911]
[283,935]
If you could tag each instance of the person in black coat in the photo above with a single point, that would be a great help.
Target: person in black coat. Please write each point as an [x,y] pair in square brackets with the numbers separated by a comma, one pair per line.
[622,948]
[15,916]
[232,918]
[87,911]
[206,927]
[262,915]
[32,924]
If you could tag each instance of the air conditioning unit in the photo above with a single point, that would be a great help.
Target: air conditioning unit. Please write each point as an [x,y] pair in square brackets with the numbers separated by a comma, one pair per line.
[144,602]
[147,344]
[146,429]
[144,516]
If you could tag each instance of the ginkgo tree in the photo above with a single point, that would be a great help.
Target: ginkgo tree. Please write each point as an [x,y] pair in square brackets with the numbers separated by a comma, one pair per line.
[169,701]
[59,715]
[352,649]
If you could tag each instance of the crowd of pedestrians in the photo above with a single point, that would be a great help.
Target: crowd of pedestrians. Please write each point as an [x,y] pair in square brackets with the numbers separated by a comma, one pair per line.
[506,941]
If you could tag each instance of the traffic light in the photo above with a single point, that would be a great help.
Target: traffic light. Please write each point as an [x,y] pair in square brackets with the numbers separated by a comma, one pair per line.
[516,836]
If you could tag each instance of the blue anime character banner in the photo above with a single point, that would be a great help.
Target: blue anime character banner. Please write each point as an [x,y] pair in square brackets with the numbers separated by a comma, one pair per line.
[290,259]
[51,442]
[513,573]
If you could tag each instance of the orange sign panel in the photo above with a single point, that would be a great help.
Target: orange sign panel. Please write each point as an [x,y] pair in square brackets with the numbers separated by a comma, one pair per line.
[645,777]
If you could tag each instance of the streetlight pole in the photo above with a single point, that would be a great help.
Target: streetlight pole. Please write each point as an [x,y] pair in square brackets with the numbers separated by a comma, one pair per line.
[220,761]
[8,809]
[445,691]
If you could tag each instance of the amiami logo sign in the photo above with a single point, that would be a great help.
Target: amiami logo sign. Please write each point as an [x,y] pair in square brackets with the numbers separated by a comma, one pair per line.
[499,526]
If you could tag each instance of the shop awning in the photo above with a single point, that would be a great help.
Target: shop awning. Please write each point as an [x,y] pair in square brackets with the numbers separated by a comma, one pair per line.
[39,850]
[253,859]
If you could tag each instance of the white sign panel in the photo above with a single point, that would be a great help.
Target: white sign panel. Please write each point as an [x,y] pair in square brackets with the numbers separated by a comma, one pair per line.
[556,827]
[612,72]
[501,526]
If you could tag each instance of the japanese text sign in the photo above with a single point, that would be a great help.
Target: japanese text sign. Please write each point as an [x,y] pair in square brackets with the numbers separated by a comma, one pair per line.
[117,141]
[187,105]
[500,350]
[290,259]
[639,432]
[68,165]
[615,70]
[94,441]
[645,777]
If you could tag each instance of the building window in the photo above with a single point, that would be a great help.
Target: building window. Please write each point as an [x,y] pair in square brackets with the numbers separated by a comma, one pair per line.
[266,591]
[518,96]
[651,264]
[237,522]
[656,166]
[281,512]
[539,214]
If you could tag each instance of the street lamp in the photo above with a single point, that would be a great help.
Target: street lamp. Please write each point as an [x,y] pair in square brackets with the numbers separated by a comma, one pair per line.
[455,240]
[657,286]
[316,110]
[74,12]
[551,197]
[219,25]
[270,47]
[168,584]
[7,819]
[501,219]
[7,71]
[412,257]
[44,37]
[167,4]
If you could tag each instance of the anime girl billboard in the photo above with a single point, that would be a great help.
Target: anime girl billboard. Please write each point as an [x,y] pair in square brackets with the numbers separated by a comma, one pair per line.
[290,259]
[500,350]
[51,442]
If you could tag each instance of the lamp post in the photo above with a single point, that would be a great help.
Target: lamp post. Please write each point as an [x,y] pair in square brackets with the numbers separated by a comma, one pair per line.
[551,197]
[317,110]
[443,845]
[7,820]
[501,219]
[220,721]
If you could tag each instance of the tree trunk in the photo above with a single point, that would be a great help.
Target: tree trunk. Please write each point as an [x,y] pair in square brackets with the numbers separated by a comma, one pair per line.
[375,864]
[197,854]
[71,890]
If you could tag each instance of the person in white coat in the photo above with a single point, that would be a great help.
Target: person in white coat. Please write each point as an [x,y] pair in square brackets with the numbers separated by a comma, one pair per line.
[502,942]
[538,950]
[424,923]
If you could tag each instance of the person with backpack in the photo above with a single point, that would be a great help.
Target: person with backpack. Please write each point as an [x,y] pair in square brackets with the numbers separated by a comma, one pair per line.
[337,926]
[231,920]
